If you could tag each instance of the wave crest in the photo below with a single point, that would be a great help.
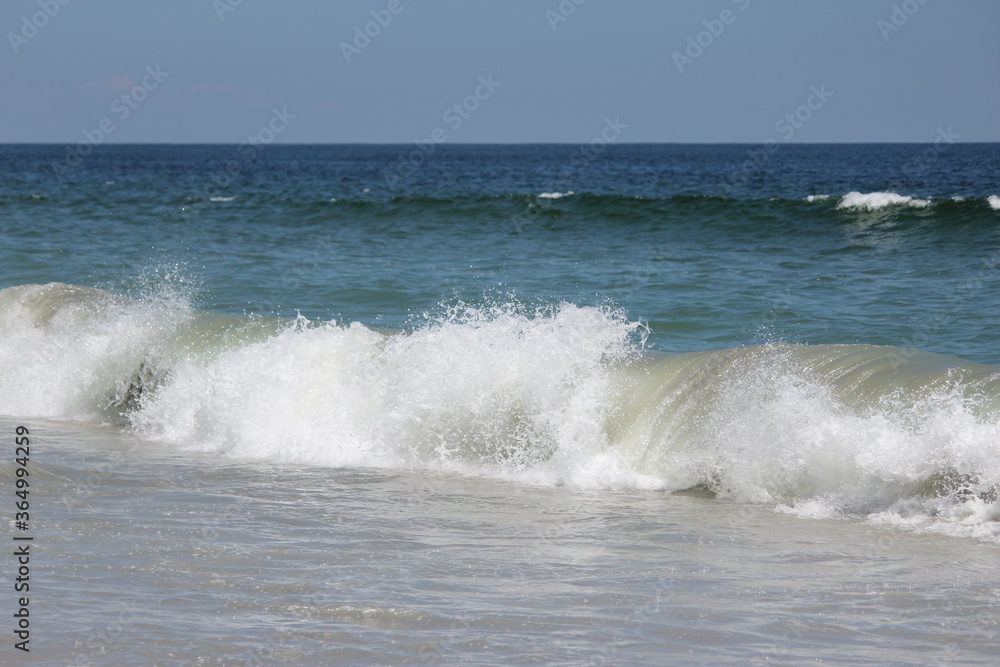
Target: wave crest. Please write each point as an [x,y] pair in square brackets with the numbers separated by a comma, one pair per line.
[873,201]
[563,394]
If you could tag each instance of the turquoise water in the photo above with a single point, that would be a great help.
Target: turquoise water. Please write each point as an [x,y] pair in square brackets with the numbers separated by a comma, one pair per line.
[497,404]
[659,230]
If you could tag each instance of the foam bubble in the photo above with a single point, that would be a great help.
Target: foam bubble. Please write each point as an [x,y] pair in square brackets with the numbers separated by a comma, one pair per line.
[554,195]
[876,200]
[994,202]
[75,352]
[857,436]
[493,390]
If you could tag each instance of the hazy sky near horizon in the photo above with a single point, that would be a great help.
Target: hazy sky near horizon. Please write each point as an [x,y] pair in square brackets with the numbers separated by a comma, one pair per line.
[397,71]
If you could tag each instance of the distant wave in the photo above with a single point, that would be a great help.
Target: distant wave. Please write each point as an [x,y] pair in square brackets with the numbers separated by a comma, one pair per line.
[596,206]
[563,394]
[875,200]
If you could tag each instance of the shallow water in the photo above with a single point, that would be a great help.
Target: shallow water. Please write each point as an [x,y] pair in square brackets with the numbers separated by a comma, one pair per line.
[169,559]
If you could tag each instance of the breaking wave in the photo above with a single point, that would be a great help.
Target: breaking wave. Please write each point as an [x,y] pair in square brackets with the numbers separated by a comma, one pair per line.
[561,394]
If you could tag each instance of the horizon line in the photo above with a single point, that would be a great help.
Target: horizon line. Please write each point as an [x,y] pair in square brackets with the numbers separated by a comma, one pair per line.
[477,143]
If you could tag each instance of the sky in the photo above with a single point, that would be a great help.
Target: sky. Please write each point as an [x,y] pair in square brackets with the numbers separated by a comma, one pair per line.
[511,71]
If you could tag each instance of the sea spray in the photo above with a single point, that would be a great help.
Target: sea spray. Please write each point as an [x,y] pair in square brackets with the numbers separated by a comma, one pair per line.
[485,389]
[560,394]
[832,430]
[75,352]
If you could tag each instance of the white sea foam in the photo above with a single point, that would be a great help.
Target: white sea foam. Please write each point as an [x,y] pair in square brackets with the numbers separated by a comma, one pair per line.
[994,202]
[491,390]
[560,395]
[867,435]
[69,352]
[221,198]
[555,195]
[811,198]
[872,201]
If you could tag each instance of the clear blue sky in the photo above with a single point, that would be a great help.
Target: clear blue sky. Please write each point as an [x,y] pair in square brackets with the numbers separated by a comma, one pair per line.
[215,70]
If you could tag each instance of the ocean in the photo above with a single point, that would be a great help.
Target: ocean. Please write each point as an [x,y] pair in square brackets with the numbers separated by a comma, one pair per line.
[606,404]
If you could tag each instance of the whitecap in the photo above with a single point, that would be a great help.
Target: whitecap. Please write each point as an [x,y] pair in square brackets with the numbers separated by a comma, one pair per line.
[872,201]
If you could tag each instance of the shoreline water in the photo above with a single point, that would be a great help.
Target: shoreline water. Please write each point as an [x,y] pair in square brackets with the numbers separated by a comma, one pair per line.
[347,565]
